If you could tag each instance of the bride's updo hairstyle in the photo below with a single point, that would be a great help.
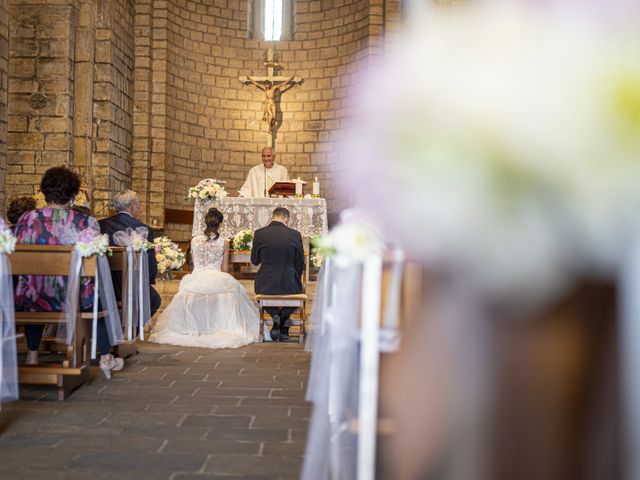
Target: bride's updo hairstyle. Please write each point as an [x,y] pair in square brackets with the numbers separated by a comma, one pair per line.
[213,219]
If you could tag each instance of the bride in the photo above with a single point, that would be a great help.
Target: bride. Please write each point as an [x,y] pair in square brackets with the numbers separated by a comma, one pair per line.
[211,309]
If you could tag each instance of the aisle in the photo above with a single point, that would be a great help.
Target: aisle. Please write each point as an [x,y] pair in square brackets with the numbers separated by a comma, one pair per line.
[173,413]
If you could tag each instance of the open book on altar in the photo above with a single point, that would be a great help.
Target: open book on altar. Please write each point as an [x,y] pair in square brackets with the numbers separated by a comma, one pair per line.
[285,189]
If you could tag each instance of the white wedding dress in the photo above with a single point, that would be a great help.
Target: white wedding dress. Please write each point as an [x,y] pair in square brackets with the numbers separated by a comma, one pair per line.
[211,309]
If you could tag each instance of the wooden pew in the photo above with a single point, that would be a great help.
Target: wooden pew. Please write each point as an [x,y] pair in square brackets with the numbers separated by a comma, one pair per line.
[74,369]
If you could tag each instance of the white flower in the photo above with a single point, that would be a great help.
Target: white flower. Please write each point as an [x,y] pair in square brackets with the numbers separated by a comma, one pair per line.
[352,241]
[7,241]
[243,240]
[84,249]
[208,188]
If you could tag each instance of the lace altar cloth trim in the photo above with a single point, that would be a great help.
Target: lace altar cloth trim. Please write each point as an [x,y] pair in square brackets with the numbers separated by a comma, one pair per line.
[308,215]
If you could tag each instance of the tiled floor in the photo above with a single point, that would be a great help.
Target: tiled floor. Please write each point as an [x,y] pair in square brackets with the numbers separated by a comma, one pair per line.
[172,413]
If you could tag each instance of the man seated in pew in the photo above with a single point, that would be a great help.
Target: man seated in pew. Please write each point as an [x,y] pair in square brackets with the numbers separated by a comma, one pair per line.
[127,204]
[48,226]
[279,252]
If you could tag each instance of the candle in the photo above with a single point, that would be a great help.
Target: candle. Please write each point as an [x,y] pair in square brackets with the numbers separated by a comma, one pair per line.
[316,188]
[299,187]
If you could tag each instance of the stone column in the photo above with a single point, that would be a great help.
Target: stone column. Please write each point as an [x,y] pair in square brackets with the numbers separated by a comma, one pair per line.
[40,93]
[83,93]
[142,91]
[158,110]
[4,79]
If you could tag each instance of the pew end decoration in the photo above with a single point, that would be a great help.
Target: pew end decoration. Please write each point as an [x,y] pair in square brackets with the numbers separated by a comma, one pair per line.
[137,306]
[8,355]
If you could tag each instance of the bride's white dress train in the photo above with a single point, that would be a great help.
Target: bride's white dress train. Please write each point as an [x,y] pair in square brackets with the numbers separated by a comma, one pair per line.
[211,309]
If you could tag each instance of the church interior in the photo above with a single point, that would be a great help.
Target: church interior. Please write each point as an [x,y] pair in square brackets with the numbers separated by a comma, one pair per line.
[464,178]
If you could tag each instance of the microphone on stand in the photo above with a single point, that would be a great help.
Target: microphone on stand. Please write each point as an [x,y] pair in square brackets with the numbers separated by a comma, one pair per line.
[265,181]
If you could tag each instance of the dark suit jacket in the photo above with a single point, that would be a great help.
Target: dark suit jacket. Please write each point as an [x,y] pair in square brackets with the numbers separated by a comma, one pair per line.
[279,252]
[122,221]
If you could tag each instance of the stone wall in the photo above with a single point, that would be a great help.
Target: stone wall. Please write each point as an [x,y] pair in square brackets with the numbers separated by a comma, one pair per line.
[113,100]
[143,169]
[4,80]
[40,94]
[145,94]
[206,124]
[70,95]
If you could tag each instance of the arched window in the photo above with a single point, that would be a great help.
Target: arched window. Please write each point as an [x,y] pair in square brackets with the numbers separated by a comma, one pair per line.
[272,20]
[273,16]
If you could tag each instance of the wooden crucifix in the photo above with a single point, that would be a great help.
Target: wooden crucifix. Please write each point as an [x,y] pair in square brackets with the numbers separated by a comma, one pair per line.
[273,86]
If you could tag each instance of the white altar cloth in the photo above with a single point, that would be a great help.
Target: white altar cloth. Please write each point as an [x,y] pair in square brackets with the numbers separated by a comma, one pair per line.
[308,215]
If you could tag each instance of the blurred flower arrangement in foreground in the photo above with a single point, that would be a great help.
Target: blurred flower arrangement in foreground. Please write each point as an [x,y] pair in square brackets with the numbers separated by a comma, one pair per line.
[168,255]
[509,147]
[351,241]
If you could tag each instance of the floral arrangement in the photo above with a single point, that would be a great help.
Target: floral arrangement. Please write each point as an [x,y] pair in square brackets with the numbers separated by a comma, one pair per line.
[317,258]
[7,240]
[527,180]
[90,242]
[353,240]
[207,189]
[168,255]
[243,240]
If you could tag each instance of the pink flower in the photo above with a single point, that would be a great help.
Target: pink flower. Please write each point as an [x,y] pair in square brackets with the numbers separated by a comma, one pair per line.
[87,235]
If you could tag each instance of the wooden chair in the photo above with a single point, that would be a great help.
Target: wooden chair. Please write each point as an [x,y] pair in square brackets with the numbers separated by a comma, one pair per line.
[74,369]
[118,264]
[295,300]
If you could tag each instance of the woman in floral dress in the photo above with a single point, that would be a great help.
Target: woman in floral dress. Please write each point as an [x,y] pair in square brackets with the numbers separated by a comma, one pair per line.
[46,226]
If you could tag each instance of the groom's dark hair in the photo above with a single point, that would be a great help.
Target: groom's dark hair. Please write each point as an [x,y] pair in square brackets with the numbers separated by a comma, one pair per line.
[281,212]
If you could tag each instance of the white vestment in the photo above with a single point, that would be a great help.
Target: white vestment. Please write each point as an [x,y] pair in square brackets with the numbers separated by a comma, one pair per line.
[255,184]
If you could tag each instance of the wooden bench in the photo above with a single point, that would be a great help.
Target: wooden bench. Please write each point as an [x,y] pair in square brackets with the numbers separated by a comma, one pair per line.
[74,369]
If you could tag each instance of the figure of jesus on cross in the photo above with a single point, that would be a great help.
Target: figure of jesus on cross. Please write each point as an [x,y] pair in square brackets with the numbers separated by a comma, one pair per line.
[273,87]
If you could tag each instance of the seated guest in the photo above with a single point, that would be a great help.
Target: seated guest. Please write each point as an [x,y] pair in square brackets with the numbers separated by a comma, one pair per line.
[18,206]
[127,205]
[44,226]
[279,252]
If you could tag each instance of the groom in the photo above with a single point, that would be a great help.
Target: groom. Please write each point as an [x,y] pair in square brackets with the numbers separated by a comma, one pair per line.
[279,252]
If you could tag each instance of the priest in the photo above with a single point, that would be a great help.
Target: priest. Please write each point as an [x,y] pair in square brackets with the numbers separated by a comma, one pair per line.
[262,177]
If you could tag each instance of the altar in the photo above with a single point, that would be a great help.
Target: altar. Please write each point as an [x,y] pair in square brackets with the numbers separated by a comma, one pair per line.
[308,215]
